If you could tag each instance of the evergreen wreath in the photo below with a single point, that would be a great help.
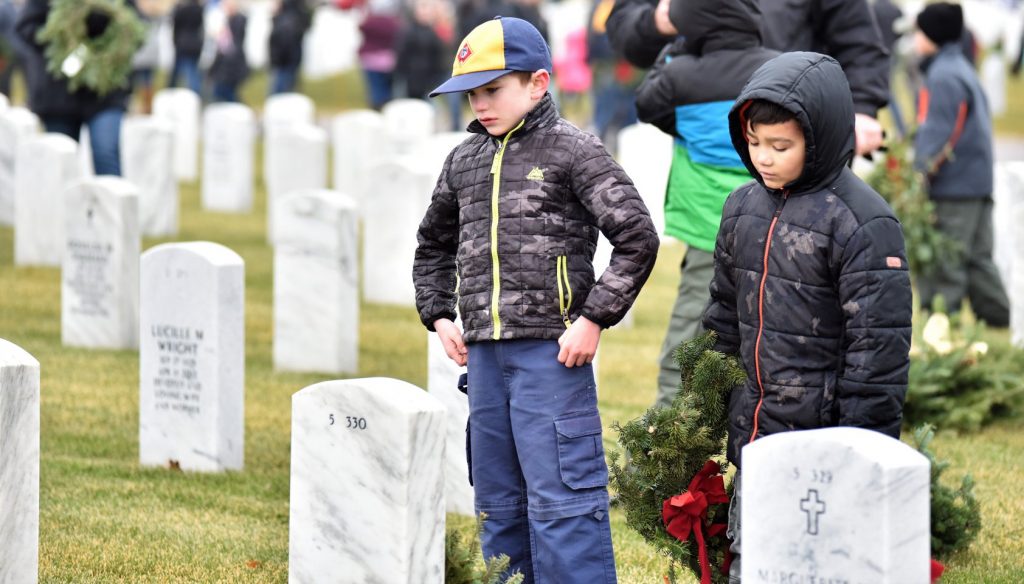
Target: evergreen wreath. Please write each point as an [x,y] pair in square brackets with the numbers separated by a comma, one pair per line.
[106,59]
[955,513]
[958,382]
[904,189]
[673,455]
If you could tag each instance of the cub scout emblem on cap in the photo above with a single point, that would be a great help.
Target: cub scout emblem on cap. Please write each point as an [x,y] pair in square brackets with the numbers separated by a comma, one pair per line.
[535,174]
[464,53]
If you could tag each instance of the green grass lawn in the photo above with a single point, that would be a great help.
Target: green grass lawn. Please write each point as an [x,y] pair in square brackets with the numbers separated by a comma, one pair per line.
[105,519]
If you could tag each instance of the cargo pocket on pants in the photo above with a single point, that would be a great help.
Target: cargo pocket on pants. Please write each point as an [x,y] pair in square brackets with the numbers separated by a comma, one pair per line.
[580,451]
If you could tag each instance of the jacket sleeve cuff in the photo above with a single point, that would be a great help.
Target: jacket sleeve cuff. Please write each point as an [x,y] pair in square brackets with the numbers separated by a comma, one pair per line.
[604,324]
[429,317]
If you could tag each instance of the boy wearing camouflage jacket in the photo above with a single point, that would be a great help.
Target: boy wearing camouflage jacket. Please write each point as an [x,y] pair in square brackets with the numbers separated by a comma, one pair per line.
[514,221]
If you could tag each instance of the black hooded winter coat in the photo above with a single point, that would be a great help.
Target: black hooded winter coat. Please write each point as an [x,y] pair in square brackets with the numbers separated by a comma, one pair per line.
[811,286]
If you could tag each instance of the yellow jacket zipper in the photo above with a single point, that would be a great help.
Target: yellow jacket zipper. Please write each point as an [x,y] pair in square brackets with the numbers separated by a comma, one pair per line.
[495,264]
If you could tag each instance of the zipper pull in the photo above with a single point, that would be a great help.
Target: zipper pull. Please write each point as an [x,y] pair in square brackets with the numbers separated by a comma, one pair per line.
[496,162]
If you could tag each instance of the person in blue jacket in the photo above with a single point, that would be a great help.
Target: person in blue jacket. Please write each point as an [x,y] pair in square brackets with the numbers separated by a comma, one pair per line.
[953,149]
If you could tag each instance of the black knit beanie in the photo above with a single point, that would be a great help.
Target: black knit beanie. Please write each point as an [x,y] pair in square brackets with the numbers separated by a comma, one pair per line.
[941,22]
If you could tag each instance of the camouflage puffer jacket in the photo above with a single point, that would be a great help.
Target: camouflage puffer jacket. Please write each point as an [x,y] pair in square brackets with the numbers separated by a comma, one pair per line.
[517,220]
[811,286]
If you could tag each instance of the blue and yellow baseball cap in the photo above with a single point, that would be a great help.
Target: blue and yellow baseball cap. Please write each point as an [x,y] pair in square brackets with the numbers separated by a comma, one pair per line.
[494,48]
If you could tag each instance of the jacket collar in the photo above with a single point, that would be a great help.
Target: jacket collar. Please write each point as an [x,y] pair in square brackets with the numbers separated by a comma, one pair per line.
[543,115]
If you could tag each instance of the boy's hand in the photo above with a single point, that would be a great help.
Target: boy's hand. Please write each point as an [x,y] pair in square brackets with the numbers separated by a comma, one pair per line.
[579,343]
[451,338]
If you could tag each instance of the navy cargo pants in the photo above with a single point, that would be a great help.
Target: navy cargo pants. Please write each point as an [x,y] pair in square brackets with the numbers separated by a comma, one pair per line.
[537,462]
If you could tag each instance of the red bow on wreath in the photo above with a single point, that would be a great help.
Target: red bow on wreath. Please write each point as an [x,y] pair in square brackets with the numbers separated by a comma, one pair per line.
[689,511]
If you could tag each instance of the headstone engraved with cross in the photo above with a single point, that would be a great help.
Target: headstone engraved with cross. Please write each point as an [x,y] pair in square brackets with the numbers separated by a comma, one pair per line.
[836,505]
[192,357]
[367,484]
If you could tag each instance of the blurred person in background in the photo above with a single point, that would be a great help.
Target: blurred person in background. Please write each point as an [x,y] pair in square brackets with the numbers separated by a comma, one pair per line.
[188,36]
[63,111]
[614,80]
[8,44]
[953,149]
[422,58]
[144,65]
[380,28]
[887,16]
[292,19]
[477,12]
[230,67]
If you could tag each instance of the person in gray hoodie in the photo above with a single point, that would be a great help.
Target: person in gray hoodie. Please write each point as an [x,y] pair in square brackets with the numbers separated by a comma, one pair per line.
[953,149]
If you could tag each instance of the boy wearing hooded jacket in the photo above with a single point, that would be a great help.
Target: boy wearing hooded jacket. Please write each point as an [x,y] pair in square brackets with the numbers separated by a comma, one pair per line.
[510,236]
[811,288]
[720,46]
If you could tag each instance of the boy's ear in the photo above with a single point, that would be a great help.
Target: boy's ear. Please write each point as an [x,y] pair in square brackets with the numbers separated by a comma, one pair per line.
[539,82]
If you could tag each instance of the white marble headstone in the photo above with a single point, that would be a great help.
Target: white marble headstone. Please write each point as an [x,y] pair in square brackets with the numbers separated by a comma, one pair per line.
[645,153]
[181,107]
[993,80]
[147,154]
[836,504]
[229,142]
[1008,252]
[359,140]
[192,357]
[408,122]
[297,161]
[391,217]
[19,465]
[316,283]
[15,124]
[282,111]
[86,168]
[435,149]
[442,383]
[367,484]
[47,166]
[100,269]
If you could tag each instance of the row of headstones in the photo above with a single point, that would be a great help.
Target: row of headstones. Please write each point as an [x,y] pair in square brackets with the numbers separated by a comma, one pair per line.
[368,496]
[296,160]
[316,299]
[189,324]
